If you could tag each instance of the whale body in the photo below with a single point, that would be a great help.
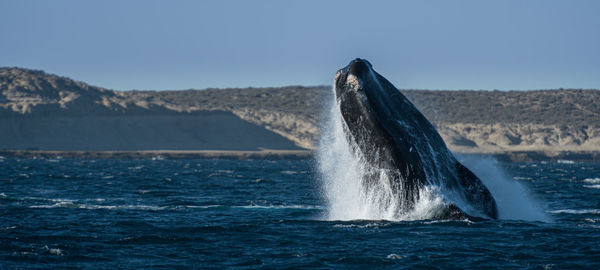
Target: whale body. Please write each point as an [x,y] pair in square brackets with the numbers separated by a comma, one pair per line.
[388,132]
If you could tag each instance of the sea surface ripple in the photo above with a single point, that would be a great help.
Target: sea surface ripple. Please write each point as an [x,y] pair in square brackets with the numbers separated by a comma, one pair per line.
[111,213]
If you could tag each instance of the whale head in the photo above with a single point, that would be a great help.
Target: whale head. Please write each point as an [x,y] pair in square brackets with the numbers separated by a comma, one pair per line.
[378,118]
[361,91]
[351,76]
[350,83]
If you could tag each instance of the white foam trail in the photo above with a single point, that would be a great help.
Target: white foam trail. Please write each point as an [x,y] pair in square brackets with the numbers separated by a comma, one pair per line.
[68,204]
[347,197]
[574,211]
[512,198]
[592,180]
[282,207]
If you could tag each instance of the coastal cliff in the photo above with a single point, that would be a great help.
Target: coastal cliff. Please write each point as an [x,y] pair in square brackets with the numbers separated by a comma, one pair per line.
[47,112]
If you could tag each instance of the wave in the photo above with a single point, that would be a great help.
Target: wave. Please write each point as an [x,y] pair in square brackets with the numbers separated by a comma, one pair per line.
[54,251]
[261,180]
[362,226]
[277,207]
[98,207]
[592,186]
[592,180]
[92,204]
[8,228]
[65,203]
[306,207]
[212,206]
[591,220]
[288,172]
[575,211]
[394,256]
[564,161]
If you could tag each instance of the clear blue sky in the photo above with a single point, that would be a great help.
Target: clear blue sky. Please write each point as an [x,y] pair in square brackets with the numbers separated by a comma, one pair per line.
[198,44]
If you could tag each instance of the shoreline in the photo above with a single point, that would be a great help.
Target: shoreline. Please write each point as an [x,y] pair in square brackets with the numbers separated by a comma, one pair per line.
[521,156]
[161,154]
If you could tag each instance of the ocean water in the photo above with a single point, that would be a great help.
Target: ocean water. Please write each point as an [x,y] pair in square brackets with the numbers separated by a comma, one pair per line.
[68,213]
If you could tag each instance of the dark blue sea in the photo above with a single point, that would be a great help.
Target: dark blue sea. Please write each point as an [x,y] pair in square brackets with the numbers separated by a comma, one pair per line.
[111,213]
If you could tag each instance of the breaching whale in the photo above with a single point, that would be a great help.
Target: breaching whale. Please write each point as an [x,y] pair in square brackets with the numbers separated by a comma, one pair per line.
[390,135]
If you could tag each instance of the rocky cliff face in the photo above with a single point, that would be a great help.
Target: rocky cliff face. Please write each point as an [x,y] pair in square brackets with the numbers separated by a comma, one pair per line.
[34,92]
[503,137]
[497,121]
[29,91]
[469,121]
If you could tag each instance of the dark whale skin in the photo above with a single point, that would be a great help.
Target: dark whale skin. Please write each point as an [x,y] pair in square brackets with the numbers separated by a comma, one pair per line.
[392,135]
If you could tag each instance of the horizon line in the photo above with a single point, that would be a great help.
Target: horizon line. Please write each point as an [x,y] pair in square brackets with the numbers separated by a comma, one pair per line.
[294,85]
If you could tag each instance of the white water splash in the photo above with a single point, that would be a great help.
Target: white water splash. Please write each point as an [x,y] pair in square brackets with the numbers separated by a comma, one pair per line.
[348,198]
[512,198]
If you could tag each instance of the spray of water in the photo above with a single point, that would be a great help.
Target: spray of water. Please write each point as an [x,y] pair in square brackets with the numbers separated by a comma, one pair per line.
[513,199]
[348,197]
[343,172]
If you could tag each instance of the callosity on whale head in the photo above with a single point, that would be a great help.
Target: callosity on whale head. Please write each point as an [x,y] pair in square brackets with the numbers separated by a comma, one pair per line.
[393,137]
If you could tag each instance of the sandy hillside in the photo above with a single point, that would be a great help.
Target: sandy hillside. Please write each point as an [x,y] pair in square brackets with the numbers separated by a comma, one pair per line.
[39,111]
[44,111]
